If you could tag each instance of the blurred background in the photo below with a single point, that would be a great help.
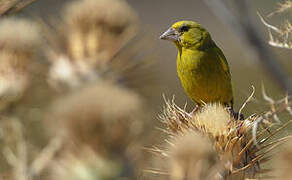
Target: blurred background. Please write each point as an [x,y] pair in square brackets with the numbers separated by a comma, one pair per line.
[156,16]
[159,77]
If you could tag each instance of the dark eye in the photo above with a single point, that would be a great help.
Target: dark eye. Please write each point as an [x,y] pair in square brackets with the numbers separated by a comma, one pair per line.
[184,28]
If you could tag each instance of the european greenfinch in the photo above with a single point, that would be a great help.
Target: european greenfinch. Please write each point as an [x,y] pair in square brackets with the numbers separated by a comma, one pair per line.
[201,66]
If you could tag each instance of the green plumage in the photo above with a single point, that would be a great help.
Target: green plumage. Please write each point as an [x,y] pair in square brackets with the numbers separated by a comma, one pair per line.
[201,65]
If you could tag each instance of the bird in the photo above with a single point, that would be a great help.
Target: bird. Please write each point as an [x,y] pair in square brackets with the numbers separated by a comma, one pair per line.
[201,65]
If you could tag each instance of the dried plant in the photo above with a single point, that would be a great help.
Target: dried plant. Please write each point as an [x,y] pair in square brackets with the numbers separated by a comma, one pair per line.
[15,149]
[19,41]
[280,36]
[89,39]
[242,147]
[89,34]
[92,131]
[187,160]
[103,116]
[282,7]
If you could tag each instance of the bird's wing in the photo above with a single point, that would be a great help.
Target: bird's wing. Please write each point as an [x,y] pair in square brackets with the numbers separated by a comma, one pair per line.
[226,70]
[223,60]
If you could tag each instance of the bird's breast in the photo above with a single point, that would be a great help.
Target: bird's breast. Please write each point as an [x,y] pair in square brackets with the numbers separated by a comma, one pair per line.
[201,76]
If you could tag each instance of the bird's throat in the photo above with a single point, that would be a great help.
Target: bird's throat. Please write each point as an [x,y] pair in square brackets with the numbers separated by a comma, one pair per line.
[179,48]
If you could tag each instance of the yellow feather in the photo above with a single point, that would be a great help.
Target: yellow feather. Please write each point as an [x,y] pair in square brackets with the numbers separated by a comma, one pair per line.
[201,65]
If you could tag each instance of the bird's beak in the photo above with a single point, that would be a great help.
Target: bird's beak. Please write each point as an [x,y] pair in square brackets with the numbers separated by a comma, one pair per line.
[171,34]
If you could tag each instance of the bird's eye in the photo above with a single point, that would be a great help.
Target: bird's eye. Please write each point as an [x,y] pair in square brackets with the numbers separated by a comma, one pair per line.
[184,28]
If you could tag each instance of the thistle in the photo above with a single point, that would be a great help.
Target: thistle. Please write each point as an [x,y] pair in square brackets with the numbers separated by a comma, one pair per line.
[241,147]
[87,41]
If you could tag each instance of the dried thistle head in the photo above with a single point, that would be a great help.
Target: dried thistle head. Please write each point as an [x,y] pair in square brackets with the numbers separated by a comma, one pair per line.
[104,116]
[19,40]
[96,34]
[214,119]
[91,33]
[191,157]
[241,146]
[211,119]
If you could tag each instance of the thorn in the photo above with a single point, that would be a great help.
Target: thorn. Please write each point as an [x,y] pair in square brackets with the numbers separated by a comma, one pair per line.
[268,25]
[246,101]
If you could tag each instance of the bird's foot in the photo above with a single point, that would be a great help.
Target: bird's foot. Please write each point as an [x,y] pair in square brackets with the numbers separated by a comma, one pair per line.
[236,115]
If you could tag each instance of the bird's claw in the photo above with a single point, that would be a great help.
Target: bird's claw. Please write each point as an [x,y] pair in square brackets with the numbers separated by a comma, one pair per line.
[236,115]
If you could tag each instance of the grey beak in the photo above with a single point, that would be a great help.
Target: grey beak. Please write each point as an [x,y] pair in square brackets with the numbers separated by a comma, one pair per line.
[171,34]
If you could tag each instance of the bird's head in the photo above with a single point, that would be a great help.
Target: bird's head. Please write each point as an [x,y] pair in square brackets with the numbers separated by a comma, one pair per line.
[187,34]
